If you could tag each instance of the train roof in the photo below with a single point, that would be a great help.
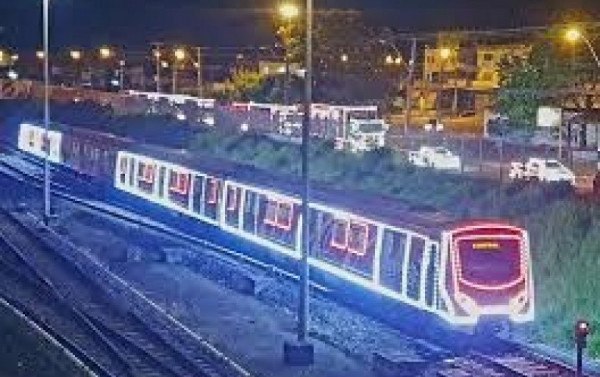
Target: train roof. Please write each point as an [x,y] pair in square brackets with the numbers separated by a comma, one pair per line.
[392,211]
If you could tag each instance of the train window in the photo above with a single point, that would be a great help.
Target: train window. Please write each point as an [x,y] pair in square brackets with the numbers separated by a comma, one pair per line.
[339,237]
[358,238]
[213,191]
[31,138]
[279,214]
[123,170]
[146,172]
[179,182]
[350,236]
[232,198]
[284,216]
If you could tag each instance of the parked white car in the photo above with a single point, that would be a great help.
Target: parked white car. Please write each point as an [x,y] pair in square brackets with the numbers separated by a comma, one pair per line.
[435,157]
[544,170]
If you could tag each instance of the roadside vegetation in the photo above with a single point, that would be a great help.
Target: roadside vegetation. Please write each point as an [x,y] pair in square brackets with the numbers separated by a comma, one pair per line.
[564,229]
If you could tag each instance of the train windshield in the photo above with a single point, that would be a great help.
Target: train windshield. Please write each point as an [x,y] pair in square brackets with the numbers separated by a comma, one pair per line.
[490,261]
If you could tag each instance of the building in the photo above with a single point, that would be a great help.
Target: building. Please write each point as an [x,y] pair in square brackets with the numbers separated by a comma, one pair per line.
[276,68]
[478,67]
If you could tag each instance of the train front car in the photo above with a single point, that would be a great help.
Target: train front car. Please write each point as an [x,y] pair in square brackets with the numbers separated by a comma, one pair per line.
[488,274]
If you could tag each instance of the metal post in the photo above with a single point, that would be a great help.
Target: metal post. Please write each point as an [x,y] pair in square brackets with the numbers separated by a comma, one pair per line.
[174,90]
[46,141]
[199,73]
[579,370]
[300,352]
[303,310]
[409,84]
[438,99]
[121,74]
[157,55]
[286,82]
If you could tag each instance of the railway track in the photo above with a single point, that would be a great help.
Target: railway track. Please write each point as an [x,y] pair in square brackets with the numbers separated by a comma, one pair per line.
[513,361]
[103,330]
[515,364]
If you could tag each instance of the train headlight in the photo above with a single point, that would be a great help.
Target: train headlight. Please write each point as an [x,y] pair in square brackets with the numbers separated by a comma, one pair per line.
[517,303]
[468,305]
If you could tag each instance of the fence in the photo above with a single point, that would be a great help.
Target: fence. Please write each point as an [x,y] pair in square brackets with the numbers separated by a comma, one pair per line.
[491,157]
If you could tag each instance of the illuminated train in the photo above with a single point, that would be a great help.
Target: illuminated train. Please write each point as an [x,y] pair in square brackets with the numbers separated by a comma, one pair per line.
[462,272]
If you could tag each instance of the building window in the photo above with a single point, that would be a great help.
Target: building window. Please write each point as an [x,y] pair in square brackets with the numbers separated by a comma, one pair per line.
[487,76]
[488,57]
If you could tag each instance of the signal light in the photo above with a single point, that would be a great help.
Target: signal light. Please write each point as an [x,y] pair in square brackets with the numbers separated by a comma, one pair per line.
[582,330]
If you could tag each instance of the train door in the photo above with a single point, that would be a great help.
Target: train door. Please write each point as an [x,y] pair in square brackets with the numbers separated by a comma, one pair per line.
[430,275]
[162,173]
[414,261]
[199,187]
[391,264]
[231,207]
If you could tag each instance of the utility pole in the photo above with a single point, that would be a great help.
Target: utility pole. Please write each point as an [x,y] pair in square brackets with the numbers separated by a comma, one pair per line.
[121,74]
[157,54]
[199,72]
[286,83]
[174,70]
[409,84]
[46,141]
[304,311]
[301,352]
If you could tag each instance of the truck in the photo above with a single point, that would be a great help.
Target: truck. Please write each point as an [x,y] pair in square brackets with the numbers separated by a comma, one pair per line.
[540,169]
[353,128]
[439,158]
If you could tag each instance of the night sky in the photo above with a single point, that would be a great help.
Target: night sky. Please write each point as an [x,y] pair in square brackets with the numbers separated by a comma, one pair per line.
[135,23]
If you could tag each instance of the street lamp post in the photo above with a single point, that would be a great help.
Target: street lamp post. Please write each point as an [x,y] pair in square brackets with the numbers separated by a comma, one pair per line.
[574,35]
[157,55]
[46,141]
[199,72]
[179,57]
[121,74]
[409,83]
[301,352]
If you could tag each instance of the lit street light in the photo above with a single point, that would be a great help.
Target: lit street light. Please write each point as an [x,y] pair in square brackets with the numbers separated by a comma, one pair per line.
[575,35]
[75,54]
[105,52]
[344,58]
[40,54]
[288,13]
